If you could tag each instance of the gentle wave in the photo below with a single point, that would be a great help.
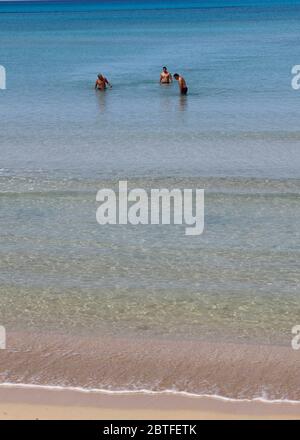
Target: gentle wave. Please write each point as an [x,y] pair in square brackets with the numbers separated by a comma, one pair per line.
[145,392]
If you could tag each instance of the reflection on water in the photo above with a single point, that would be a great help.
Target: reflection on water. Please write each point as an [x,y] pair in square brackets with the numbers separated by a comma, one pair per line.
[101,100]
[183,102]
[169,99]
[166,102]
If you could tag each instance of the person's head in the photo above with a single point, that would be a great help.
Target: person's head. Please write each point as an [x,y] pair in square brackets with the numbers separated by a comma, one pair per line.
[176,76]
[100,76]
[165,69]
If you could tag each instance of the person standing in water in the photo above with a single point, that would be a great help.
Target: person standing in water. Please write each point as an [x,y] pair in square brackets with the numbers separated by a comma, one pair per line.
[182,84]
[101,82]
[165,76]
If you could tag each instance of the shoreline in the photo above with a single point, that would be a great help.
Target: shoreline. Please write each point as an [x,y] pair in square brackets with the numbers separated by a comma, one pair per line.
[19,402]
[185,368]
[142,392]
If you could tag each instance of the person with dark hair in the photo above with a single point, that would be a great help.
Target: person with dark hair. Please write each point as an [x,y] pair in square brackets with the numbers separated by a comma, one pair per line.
[165,76]
[182,84]
[101,82]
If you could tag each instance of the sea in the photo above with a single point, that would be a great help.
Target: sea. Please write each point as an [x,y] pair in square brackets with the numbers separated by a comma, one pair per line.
[145,308]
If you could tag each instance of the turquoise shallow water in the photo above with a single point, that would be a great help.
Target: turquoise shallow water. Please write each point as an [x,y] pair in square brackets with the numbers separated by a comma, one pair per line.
[239,281]
[236,135]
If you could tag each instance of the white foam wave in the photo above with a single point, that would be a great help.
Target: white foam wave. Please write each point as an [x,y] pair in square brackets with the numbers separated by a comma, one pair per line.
[145,392]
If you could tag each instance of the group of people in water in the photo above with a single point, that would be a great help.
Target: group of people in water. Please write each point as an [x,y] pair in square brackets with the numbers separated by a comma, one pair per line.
[165,78]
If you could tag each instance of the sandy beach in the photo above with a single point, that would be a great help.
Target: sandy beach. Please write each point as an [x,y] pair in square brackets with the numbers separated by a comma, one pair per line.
[40,403]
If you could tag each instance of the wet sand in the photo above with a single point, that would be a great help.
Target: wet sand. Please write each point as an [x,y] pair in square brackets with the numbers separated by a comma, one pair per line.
[237,371]
[65,363]
[38,403]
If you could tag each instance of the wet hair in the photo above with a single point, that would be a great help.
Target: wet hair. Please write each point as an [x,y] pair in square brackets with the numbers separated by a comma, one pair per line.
[176,75]
[164,68]
[100,75]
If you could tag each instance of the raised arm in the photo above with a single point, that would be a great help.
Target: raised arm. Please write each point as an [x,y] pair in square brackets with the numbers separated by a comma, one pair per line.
[108,83]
